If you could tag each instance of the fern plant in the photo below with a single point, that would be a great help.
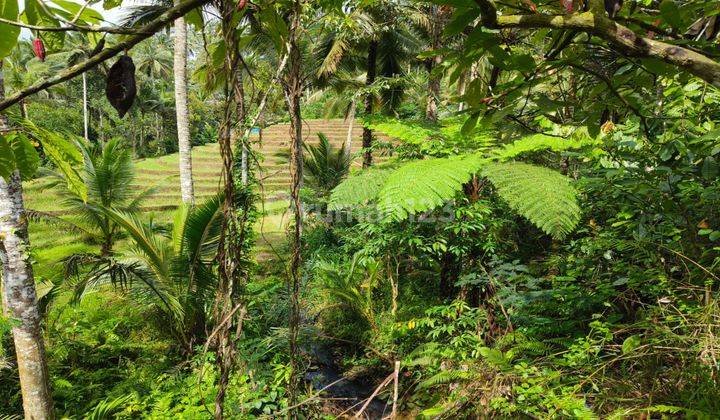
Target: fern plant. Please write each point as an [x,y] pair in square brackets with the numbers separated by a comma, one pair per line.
[541,195]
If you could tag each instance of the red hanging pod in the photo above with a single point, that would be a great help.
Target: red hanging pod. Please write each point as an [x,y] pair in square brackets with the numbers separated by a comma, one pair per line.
[241,4]
[567,5]
[39,49]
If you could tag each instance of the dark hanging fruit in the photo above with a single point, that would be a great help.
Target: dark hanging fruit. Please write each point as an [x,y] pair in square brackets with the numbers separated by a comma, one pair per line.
[121,90]
[241,4]
[39,49]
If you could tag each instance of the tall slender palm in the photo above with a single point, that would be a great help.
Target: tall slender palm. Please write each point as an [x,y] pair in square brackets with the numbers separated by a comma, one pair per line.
[374,40]
[181,110]
[81,50]
[138,15]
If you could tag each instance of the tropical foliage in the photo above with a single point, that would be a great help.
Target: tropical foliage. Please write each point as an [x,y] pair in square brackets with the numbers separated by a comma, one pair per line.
[432,209]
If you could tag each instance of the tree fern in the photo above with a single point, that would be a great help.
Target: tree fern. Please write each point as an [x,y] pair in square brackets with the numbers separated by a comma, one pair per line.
[539,142]
[359,189]
[541,195]
[425,184]
[409,132]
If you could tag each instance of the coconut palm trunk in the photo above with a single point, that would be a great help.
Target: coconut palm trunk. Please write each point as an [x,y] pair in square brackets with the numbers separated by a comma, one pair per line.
[19,297]
[181,110]
[85,106]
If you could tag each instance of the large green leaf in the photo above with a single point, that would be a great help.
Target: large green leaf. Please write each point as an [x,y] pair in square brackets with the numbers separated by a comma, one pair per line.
[425,184]
[63,153]
[359,189]
[7,161]
[541,195]
[8,33]
[87,15]
[27,159]
[35,14]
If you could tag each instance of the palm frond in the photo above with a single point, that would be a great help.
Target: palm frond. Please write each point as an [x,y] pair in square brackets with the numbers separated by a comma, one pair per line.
[145,244]
[107,408]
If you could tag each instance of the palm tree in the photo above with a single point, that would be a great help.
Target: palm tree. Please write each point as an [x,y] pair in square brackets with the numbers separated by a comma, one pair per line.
[324,166]
[181,110]
[139,15]
[79,52]
[108,175]
[430,21]
[371,39]
[173,274]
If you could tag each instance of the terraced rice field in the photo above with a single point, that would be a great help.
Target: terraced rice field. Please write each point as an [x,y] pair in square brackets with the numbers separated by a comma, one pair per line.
[53,242]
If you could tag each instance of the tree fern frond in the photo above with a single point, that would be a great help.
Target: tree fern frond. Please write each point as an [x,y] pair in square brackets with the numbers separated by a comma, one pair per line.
[425,184]
[359,189]
[406,131]
[444,377]
[541,195]
[538,142]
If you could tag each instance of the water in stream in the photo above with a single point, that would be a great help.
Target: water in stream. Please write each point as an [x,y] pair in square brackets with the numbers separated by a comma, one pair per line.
[347,393]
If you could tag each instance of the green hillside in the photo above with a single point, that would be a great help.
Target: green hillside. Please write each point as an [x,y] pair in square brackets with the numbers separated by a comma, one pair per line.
[52,241]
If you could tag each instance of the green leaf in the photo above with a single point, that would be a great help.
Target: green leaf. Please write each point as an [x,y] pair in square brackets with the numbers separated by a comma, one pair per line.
[63,153]
[360,189]
[670,13]
[495,357]
[539,194]
[276,28]
[27,159]
[8,33]
[195,18]
[88,14]
[710,168]
[7,161]
[462,18]
[630,344]
[470,124]
[715,235]
[425,184]
[36,14]
[111,4]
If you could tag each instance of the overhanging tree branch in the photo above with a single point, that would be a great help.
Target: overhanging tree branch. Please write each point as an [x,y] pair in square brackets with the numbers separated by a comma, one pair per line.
[142,33]
[620,38]
[73,28]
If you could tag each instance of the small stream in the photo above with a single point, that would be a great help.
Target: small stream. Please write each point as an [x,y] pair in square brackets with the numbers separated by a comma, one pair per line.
[349,392]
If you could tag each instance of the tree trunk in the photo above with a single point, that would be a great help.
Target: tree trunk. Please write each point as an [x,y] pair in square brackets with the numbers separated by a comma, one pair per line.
[181,111]
[85,106]
[431,109]
[293,93]
[351,122]
[19,298]
[369,99]
[461,88]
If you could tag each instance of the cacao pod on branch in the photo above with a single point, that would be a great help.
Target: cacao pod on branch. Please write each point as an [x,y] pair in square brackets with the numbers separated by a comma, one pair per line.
[39,49]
